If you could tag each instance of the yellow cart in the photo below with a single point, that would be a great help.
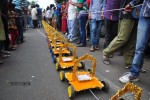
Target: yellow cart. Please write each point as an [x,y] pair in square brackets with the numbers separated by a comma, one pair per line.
[67,61]
[83,80]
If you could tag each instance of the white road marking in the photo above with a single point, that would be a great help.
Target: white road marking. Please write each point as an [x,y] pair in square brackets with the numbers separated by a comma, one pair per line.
[41,33]
[94,94]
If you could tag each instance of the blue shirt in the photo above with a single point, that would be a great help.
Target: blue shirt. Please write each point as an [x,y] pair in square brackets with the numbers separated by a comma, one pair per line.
[145,7]
[58,9]
[95,7]
[17,3]
[39,11]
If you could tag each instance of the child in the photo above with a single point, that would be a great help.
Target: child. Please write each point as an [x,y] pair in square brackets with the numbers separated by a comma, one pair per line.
[54,18]
[12,26]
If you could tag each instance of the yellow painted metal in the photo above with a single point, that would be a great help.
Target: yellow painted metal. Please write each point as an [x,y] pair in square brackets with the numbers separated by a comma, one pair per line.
[69,92]
[65,51]
[61,75]
[129,87]
[70,63]
[84,85]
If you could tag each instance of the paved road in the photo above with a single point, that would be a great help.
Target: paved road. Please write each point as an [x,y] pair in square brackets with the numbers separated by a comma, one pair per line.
[32,62]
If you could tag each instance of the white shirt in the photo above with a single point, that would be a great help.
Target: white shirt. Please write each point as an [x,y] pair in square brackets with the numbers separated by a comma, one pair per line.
[72,11]
[33,14]
[49,14]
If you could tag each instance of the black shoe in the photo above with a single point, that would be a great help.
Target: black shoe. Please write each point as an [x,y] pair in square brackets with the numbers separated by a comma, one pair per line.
[81,45]
[1,62]
[22,41]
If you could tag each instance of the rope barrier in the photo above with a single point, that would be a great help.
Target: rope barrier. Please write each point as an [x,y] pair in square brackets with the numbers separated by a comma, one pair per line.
[110,10]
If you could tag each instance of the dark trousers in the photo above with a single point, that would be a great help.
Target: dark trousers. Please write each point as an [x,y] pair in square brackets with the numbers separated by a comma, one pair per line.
[111,28]
[7,41]
[35,23]
[59,22]
[19,22]
[82,22]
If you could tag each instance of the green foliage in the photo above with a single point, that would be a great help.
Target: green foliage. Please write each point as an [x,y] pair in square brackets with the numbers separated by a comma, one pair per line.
[33,2]
[60,1]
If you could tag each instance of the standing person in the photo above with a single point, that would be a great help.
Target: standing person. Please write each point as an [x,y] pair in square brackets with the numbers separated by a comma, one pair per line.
[44,15]
[19,19]
[49,15]
[54,20]
[64,18]
[2,37]
[39,13]
[58,12]
[34,16]
[29,17]
[4,9]
[83,16]
[72,23]
[126,37]
[12,26]
[96,21]
[143,35]
[111,20]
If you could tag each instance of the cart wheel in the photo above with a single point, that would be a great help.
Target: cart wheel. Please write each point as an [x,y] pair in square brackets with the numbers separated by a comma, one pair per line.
[83,65]
[106,86]
[50,48]
[76,57]
[52,53]
[90,70]
[62,75]
[71,92]
[54,59]
[70,53]
[57,66]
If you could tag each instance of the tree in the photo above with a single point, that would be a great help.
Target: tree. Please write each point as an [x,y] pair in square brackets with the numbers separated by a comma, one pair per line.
[33,2]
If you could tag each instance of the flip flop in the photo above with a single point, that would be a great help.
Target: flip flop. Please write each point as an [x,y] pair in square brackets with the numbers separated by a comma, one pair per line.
[106,60]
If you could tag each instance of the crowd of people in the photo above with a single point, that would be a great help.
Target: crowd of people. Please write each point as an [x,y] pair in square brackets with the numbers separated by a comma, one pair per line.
[11,27]
[126,24]
[15,17]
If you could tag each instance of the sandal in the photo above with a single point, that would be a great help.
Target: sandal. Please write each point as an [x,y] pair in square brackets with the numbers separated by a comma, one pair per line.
[106,60]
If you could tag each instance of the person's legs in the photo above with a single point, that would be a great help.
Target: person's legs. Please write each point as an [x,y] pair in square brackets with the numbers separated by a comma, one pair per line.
[33,23]
[59,22]
[69,29]
[142,39]
[64,24]
[92,32]
[121,38]
[7,41]
[12,35]
[97,34]
[129,47]
[74,29]
[108,28]
[82,22]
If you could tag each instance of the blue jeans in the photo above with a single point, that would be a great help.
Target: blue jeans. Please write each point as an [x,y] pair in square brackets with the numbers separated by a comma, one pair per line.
[95,27]
[72,29]
[82,22]
[142,41]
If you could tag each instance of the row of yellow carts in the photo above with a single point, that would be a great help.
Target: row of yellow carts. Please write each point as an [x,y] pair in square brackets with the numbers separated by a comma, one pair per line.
[64,55]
